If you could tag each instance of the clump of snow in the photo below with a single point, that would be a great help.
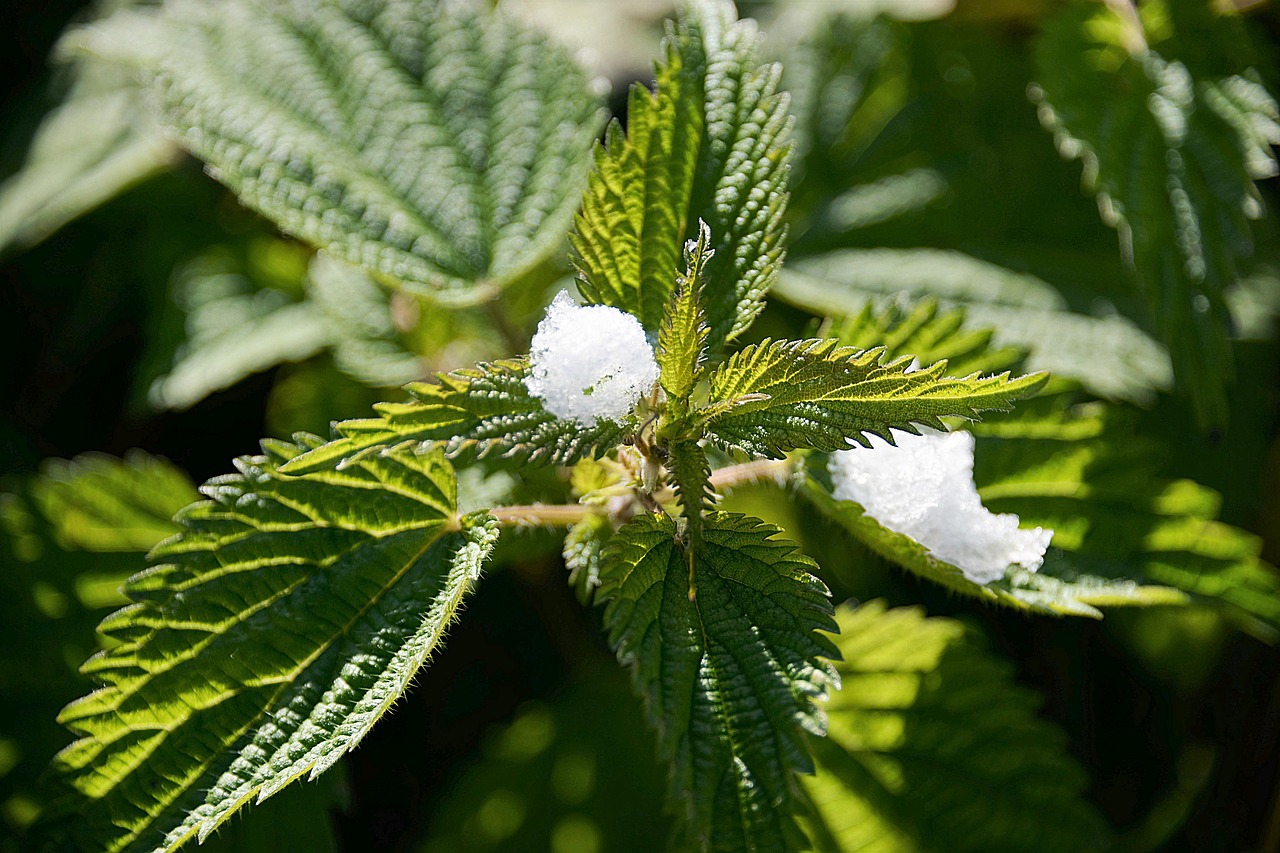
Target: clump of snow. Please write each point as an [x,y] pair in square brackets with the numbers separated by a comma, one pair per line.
[590,362]
[923,488]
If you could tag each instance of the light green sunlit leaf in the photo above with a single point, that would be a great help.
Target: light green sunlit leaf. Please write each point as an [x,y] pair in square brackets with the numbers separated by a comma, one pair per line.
[783,395]
[931,746]
[276,628]
[710,144]
[96,502]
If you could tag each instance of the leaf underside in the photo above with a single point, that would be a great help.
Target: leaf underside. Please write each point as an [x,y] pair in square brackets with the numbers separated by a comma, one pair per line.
[277,627]
[730,677]
[438,144]
[932,746]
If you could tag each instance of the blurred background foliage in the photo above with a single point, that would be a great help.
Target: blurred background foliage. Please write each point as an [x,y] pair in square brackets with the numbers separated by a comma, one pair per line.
[144,308]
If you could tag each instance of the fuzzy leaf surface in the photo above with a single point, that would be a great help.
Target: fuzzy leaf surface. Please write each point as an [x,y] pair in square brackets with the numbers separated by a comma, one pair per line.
[275,629]
[1172,155]
[730,677]
[1122,536]
[487,409]
[778,396]
[712,143]
[439,144]
[932,746]
[1109,355]
[682,341]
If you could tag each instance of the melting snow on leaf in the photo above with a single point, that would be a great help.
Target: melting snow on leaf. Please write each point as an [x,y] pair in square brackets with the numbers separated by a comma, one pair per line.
[590,362]
[923,488]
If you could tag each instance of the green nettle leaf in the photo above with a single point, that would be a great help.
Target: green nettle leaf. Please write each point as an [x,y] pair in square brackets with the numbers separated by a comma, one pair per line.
[1122,534]
[782,395]
[729,676]
[439,144]
[584,546]
[628,235]
[487,409]
[278,626]
[91,147]
[682,340]
[710,144]
[928,333]
[1117,522]
[681,354]
[1108,355]
[932,746]
[99,503]
[1049,590]
[1172,159]
[235,327]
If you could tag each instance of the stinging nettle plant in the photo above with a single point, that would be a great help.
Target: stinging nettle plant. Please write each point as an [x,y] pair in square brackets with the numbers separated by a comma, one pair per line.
[445,150]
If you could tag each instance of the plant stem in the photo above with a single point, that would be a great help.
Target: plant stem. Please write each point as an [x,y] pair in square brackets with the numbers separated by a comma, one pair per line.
[726,479]
[566,515]
[498,316]
[550,515]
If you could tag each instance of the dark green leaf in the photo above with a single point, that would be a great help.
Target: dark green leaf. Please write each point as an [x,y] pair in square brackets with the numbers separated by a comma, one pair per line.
[439,144]
[729,675]
[1172,159]
[488,409]
[782,395]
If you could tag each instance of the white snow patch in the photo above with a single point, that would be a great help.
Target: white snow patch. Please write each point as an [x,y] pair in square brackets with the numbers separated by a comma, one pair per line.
[590,362]
[923,488]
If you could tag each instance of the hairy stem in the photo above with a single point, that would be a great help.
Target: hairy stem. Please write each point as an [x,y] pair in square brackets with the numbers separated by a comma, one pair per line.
[546,515]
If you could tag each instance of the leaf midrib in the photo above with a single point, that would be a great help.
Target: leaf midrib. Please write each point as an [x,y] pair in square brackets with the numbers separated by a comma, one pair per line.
[307,662]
